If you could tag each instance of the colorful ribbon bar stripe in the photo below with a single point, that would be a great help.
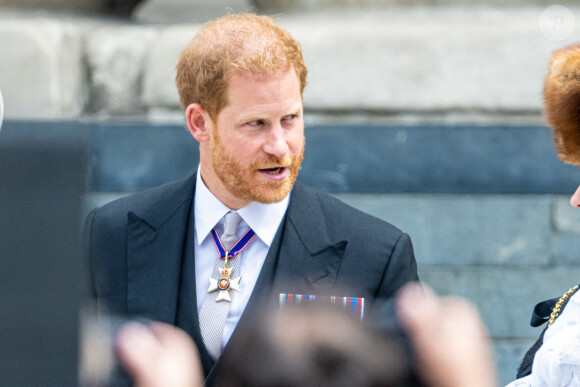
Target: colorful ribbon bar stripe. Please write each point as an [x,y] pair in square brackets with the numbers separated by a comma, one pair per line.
[355,304]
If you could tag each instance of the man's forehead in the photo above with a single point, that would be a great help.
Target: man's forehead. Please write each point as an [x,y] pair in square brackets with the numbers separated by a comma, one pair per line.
[245,76]
[264,75]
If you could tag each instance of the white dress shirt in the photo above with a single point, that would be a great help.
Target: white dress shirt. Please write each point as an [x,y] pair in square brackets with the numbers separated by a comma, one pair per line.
[557,362]
[264,219]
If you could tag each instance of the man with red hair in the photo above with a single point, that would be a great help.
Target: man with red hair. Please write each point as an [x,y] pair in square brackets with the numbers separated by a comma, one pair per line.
[240,83]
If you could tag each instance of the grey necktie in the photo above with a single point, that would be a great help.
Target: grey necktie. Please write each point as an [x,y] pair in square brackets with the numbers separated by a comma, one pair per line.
[213,313]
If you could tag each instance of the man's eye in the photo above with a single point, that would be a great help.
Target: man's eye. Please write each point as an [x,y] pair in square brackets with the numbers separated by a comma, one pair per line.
[290,117]
[256,123]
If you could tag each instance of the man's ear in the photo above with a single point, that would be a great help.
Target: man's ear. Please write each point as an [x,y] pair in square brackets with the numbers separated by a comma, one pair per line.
[198,122]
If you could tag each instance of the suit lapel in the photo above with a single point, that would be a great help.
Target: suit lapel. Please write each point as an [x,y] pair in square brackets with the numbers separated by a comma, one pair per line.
[309,256]
[187,315]
[155,241]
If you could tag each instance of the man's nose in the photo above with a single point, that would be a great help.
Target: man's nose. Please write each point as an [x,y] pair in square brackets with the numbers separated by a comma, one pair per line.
[575,199]
[275,143]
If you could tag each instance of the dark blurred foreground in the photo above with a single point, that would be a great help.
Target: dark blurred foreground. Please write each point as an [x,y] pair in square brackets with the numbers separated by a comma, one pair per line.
[42,179]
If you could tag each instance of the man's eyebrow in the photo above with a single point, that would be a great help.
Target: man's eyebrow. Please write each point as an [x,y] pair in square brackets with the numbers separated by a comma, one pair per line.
[257,116]
[295,111]
[252,117]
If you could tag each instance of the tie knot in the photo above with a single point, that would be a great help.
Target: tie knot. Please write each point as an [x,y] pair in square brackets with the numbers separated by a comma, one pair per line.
[230,235]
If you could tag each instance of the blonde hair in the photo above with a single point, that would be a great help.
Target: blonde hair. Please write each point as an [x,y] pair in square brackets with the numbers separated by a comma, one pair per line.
[234,43]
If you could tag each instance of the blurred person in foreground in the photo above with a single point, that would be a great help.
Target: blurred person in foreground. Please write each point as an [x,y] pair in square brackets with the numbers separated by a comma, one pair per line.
[203,252]
[554,360]
[302,345]
[305,346]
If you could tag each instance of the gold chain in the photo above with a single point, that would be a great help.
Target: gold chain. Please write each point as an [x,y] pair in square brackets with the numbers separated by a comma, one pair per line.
[558,305]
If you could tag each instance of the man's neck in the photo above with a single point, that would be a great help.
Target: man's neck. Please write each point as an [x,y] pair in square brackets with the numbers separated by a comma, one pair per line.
[222,194]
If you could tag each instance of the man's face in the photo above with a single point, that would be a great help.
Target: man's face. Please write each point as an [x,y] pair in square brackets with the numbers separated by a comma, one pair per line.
[257,141]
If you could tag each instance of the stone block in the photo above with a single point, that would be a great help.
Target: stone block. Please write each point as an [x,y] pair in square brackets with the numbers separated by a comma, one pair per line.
[505,296]
[467,229]
[425,59]
[277,6]
[128,157]
[41,72]
[565,218]
[82,6]
[508,356]
[116,56]
[116,8]
[186,11]
[566,249]
[159,90]
[364,158]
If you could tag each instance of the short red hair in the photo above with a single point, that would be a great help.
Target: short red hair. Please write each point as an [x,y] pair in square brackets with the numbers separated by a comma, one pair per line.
[234,43]
[562,102]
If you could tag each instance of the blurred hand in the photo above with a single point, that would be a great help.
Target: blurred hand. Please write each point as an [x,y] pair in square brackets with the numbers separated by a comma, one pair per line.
[449,338]
[158,355]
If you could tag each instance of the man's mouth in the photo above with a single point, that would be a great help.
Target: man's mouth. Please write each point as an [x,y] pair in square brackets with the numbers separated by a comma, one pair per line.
[273,171]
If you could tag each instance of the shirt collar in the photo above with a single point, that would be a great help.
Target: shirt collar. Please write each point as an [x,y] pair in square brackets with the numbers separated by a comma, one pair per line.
[264,219]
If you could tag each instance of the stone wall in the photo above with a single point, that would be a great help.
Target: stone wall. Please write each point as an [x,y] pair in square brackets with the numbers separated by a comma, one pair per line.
[475,71]
[407,63]
[505,253]
[300,6]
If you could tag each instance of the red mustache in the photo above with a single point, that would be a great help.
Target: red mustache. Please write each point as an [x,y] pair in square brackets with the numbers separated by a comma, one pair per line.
[275,162]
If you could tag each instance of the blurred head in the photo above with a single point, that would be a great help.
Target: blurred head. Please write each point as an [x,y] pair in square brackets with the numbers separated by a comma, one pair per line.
[237,43]
[562,103]
[312,345]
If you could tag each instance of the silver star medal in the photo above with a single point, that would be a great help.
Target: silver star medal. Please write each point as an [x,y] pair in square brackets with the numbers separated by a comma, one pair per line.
[224,284]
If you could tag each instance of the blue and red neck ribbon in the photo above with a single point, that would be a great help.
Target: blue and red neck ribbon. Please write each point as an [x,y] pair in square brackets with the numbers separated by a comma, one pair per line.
[238,247]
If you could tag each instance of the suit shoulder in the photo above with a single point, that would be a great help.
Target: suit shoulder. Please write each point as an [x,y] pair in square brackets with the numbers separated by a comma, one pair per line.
[344,218]
[151,203]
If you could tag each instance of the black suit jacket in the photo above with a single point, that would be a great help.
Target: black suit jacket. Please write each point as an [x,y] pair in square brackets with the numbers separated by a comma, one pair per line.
[540,315]
[141,256]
